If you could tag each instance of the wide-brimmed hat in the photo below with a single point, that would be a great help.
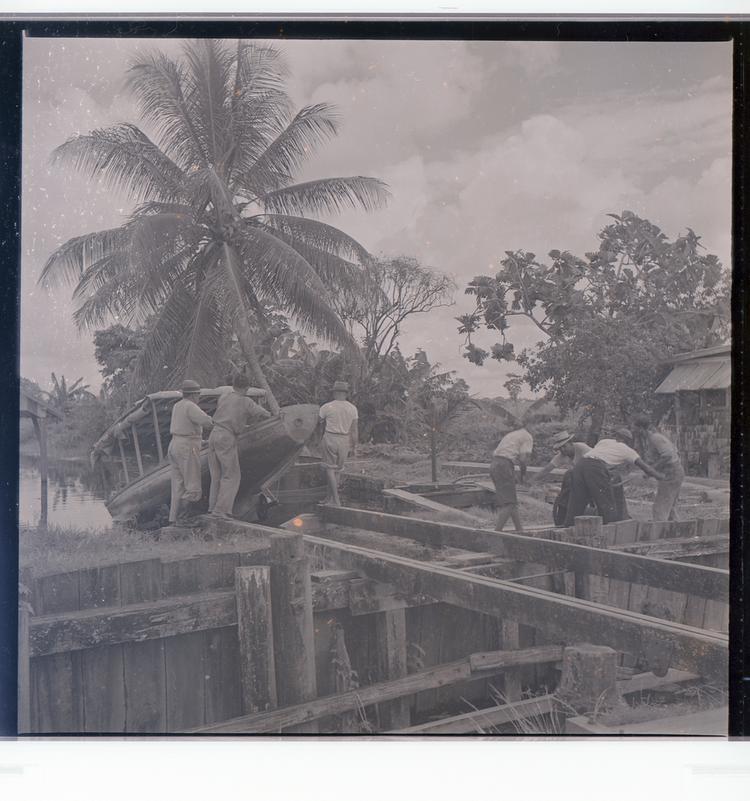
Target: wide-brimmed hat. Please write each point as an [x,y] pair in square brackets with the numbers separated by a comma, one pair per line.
[190,387]
[560,439]
[340,386]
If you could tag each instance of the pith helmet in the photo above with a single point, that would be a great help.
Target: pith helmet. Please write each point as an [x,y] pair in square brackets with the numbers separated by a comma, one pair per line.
[560,439]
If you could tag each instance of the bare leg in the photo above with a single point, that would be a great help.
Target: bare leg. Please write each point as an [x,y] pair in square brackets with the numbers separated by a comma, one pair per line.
[333,487]
[516,518]
[503,513]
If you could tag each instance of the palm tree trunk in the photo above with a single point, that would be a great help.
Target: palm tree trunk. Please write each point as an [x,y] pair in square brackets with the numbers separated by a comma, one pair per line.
[245,338]
[244,332]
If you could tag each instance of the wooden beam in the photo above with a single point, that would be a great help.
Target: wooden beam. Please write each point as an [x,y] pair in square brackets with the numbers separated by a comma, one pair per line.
[137,446]
[439,676]
[478,721]
[430,505]
[255,634]
[73,631]
[558,617]
[390,634]
[708,582]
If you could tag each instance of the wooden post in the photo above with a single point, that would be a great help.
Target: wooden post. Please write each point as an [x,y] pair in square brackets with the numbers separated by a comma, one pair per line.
[124,460]
[293,633]
[157,433]
[588,682]
[342,678]
[23,725]
[678,430]
[588,530]
[255,631]
[137,446]
[390,634]
[40,429]
[512,677]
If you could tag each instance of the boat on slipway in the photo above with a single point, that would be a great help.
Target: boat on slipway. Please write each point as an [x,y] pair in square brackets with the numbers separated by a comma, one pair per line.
[131,456]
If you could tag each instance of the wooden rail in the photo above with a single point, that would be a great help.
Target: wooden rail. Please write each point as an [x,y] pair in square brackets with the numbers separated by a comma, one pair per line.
[441,676]
[708,582]
[557,616]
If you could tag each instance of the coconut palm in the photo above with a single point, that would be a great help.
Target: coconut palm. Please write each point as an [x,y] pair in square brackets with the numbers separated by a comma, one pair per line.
[220,229]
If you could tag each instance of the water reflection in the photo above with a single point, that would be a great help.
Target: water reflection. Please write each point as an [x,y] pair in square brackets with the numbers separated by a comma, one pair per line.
[75,497]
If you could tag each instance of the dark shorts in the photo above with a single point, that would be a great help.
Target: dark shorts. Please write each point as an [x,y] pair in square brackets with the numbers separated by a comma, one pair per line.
[503,476]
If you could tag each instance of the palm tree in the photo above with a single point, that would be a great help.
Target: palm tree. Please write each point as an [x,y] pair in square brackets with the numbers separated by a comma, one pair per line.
[64,395]
[220,229]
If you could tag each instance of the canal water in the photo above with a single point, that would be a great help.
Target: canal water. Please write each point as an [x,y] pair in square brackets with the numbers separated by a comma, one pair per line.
[73,497]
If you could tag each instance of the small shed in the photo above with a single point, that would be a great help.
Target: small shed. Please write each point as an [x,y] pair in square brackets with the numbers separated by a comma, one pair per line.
[701,383]
[39,412]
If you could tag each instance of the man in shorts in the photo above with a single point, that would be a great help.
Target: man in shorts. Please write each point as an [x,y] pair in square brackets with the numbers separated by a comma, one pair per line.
[660,452]
[516,446]
[340,437]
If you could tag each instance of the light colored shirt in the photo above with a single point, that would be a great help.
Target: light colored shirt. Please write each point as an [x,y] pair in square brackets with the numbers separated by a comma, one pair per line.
[662,454]
[561,460]
[339,416]
[235,411]
[515,444]
[613,453]
[188,419]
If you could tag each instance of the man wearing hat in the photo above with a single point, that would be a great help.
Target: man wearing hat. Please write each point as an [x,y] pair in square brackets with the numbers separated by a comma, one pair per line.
[660,452]
[234,412]
[567,454]
[591,480]
[186,427]
[340,437]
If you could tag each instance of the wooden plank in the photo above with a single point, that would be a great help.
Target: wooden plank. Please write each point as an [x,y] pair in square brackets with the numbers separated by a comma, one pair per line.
[221,659]
[484,721]
[609,534]
[431,505]
[145,685]
[140,581]
[255,629]
[58,593]
[99,587]
[103,689]
[89,628]
[58,696]
[716,617]
[293,631]
[180,576]
[440,676]
[695,610]
[185,681]
[509,637]
[390,633]
[555,615]
[367,597]
[626,531]
[710,527]
[711,582]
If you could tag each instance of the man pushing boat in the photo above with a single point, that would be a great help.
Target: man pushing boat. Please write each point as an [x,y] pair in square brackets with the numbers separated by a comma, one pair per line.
[186,428]
[235,411]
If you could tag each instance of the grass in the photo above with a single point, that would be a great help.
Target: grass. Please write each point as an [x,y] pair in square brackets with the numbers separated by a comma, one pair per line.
[61,549]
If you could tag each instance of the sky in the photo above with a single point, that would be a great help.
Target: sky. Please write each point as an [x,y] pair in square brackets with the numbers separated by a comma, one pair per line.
[486,147]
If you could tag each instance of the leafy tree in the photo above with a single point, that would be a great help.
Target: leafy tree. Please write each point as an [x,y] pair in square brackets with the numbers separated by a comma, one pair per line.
[391,291]
[609,320]
[220,228]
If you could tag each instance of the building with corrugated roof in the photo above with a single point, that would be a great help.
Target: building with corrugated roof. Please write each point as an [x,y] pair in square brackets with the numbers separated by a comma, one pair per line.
[701,384]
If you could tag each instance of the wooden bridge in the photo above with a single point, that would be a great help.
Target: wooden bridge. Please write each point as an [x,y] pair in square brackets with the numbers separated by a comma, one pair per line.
[364,621]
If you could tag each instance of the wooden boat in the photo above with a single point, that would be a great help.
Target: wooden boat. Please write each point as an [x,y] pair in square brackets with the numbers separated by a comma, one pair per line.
[131,455]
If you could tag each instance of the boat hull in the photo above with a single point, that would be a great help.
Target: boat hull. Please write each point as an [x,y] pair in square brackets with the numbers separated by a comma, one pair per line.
[266,451]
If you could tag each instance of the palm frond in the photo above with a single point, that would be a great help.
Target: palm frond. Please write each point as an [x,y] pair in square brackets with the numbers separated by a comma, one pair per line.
[317,234]
[126,158]
[157,81]
[207,81]
[70,260]
[327,196]
[274,168]
[205,333]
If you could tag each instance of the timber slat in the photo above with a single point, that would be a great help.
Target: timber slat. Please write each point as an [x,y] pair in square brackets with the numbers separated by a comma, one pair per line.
[555,615]
[709,582]
[479,721]
[336,704]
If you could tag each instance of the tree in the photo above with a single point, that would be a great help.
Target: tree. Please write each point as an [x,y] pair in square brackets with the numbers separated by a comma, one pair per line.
[64,395]
[609,320]
[392,290]
[220,228]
